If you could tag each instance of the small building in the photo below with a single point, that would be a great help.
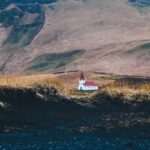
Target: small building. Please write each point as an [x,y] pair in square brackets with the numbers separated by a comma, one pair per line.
[86,85]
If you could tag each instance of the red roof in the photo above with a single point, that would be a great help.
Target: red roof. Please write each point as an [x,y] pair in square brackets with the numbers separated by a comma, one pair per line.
[90,83]
[81,76]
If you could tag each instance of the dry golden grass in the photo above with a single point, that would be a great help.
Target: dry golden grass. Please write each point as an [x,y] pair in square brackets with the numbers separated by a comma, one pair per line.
[125,86]
[31,81]
[23,81]
[130,91]
[34,81]
[66,85]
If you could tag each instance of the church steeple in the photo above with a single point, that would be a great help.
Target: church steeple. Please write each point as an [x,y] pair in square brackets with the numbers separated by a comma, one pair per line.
[82,79]
[82,76]
[86,85]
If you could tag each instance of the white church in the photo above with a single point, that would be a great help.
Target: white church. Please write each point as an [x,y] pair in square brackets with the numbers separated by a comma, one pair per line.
[86,85]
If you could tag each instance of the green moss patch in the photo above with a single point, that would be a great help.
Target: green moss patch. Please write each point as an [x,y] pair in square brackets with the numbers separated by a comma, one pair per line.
[54,61]
[25,22]
[139,49]
[23,35]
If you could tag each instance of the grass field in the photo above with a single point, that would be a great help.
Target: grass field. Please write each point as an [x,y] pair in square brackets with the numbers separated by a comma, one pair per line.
[66,84]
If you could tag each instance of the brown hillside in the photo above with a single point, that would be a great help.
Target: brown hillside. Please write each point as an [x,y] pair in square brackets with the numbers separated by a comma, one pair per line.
[109,36]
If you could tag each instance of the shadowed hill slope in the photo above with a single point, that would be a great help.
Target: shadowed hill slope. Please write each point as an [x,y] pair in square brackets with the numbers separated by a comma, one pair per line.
[113,34]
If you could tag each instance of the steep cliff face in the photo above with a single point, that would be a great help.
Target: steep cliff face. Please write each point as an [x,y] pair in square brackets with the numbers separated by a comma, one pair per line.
[105,30]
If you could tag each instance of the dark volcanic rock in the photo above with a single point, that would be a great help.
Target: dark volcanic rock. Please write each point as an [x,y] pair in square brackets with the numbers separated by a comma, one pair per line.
[38,107]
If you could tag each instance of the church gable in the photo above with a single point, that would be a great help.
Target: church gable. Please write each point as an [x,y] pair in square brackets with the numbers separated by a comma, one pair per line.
[86,85]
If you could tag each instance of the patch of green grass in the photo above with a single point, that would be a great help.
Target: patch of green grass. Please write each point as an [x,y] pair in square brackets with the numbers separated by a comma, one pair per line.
[139,49]
[54,61]
[145,46]
[22,32]
[23,35]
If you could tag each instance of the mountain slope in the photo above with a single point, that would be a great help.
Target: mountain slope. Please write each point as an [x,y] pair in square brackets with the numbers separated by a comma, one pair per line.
[111,34]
